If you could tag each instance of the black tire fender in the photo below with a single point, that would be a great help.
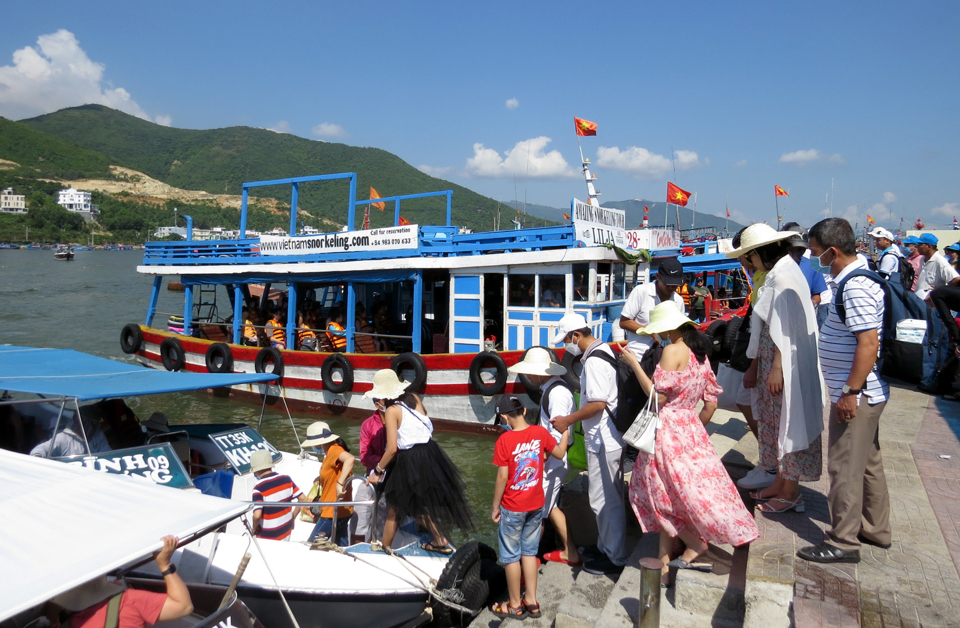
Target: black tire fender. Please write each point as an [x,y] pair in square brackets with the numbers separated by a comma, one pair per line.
[414,361]
[572,377]
[131,337]
[533,391]
[499,383]
[337,361]
[219,358]
[172,355]
[269,355]
[471,575]
[730,335]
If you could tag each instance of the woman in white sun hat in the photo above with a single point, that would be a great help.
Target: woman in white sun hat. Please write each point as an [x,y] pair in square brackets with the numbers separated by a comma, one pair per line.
[682,489]
[556,399]
[419,479]
[791,393]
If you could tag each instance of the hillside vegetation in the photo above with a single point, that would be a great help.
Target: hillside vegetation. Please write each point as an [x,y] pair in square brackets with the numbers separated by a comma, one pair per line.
[41,155]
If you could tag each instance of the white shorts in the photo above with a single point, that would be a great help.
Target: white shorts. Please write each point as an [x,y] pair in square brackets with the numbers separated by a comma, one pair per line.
[552,482]
[746,396]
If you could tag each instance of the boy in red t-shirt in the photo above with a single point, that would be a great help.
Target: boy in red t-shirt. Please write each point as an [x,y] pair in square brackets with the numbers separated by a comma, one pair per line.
[518,502]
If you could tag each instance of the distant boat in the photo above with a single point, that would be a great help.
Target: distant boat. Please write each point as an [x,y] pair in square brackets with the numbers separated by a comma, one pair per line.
[63,254]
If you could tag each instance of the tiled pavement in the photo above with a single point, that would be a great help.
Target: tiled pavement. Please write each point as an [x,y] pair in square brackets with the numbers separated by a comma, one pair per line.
[915,582]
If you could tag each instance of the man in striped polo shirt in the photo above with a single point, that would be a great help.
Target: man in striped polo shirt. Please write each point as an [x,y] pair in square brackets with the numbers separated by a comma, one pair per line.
[272,523]
[858,499]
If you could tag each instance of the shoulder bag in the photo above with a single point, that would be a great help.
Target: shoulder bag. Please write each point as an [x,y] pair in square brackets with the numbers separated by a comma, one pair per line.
[642,433]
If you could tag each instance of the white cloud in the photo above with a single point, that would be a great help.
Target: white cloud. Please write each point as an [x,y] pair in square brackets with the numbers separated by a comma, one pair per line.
[526,159]
[163,120]
[947,209]
[882,215]
[327,129]
[740,164]
[642,163]
[281,127]
[57,73]
[435,171]
[512,103]
[803,157]
[889,197]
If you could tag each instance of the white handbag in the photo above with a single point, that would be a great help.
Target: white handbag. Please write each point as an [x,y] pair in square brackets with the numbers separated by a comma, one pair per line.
[642,434]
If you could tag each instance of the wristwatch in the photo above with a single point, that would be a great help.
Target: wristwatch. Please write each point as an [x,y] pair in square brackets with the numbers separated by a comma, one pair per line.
[851,391]
[169,571]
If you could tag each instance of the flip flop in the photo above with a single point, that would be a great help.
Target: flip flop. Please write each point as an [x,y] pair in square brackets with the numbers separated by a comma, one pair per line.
[679,563]
[554,557]
[533,610]
[430,547]
[519,612]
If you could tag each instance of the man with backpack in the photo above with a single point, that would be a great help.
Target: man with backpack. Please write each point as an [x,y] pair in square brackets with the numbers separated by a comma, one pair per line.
[599,393]
[888,261]
[849,346]
[937,271]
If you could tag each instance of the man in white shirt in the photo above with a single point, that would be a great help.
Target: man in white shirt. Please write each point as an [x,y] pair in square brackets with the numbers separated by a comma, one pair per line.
[636,311]
[598,399]
[888,255]
[849,345]
[73,440]
[936,271]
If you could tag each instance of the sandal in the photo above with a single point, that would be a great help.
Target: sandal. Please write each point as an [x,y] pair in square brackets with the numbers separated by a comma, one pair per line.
[533,610]
[430,547]
[758,495]
[503,609]
[768,507]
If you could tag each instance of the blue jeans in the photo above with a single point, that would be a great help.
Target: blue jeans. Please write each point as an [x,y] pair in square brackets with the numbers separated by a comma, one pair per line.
[343,530]
[519,534]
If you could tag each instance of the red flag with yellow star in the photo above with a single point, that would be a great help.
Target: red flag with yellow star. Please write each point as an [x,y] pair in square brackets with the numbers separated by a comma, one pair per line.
[584,127]
[779,191]
[374,195]
[403,221]
[676,195]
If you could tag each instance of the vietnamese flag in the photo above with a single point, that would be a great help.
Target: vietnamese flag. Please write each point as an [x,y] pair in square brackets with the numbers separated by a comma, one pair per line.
[403,221]
[375,195]
[870,219]
[676,195]
[566,216]
[584,127]
[779,191]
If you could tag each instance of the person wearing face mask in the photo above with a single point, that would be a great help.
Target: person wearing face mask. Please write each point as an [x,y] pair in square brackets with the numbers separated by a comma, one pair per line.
[913,256]
[604,443]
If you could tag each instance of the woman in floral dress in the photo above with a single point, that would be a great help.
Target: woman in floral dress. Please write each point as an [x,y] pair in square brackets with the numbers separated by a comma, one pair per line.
[682,489]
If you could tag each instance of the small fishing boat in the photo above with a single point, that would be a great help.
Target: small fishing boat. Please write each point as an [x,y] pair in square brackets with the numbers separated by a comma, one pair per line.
[63,253]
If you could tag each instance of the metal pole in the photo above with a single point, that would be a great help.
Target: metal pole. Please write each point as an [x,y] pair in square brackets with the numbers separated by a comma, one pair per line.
[649,615]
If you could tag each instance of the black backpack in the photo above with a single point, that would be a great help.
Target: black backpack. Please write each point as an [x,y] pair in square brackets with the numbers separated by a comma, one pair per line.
[905,273]
[630,396]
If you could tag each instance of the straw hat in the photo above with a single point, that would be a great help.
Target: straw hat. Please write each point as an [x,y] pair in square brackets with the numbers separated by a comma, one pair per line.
[88,594]
[386,385]
[157,422]
[665,317]
[319,433]
[261,460]
[537,362]
[757,235]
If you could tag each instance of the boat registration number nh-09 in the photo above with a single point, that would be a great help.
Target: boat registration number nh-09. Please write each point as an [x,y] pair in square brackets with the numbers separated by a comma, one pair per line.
[156,463]
[239,445]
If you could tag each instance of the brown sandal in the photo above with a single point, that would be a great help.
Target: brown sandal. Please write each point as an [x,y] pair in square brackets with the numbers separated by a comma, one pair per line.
[503,609]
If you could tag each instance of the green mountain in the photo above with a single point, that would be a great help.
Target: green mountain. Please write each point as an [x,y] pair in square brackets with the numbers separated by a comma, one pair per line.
[42,155]
[220,160]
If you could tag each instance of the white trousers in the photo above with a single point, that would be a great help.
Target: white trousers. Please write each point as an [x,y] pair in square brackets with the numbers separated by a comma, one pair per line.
[606,501]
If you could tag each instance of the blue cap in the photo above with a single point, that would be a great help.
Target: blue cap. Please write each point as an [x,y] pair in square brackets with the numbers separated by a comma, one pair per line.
[911,240]
[953,247]
[928,238]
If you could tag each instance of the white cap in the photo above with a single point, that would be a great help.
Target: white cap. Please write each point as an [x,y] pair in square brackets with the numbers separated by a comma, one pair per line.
[567,324]
[880,232]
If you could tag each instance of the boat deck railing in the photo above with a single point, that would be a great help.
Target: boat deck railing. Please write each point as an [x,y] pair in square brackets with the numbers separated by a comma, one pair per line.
[433,241]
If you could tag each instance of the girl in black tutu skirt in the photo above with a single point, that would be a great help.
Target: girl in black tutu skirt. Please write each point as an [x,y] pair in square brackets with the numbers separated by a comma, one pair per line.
[419,479]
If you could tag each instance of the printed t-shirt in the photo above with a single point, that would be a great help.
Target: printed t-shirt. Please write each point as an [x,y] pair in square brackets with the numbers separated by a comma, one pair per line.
[329,472]
[276,523]
[522,452]
[138,608]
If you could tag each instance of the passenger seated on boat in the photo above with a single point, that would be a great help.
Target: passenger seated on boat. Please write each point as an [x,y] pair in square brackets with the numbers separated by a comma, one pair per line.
[306,337]
[364,342]
[156,424]
[249,330]
[276,332]
[335,331]
[272,523]
[70,441]
[89,604]
[119,423]
[553,295]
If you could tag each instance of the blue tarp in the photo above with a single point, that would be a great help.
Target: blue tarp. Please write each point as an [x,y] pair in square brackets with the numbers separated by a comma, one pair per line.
[706,263]
[67,373]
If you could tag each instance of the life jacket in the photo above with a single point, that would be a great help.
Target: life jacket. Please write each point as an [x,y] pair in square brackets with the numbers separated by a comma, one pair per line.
[305,333]
[337,336]
[249,332]
[685,293]
[276,331]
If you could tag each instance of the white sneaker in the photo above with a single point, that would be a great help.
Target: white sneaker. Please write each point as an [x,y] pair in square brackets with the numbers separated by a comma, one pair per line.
[758,478]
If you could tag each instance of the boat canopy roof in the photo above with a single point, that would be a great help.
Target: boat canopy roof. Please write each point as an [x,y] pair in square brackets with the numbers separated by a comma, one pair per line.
[707,263]
[68,373]
[111,521]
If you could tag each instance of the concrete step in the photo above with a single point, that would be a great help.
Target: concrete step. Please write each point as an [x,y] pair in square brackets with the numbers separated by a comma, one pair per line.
[552,585]
[584,602]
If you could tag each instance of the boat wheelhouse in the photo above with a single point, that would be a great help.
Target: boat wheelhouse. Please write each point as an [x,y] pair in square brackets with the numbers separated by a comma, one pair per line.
[452,309]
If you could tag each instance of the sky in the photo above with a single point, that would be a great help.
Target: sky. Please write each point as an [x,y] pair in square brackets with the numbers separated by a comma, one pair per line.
[725,99]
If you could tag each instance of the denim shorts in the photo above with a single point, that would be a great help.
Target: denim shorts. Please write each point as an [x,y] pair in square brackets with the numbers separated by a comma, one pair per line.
[519,534]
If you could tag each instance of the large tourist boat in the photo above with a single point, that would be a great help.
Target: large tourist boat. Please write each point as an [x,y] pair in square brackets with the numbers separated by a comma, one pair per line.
[454,309]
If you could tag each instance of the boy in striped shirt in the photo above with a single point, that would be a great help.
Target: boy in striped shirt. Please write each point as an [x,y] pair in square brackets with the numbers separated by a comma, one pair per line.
[272,523]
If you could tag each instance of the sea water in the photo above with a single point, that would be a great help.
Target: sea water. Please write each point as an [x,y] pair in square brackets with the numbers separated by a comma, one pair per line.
[83,304]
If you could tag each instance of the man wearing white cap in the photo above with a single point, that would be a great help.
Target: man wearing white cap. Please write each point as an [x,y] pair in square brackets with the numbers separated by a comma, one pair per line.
[888,261]
[604,443]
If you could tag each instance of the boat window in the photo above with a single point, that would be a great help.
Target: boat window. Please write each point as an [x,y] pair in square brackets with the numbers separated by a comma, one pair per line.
[552,293]
[603,282]
[581,272]
[522,290]
[620,281]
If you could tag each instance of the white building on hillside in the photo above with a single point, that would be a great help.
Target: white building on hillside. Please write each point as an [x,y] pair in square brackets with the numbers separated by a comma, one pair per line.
[163,232]
[76,201]
[12,203]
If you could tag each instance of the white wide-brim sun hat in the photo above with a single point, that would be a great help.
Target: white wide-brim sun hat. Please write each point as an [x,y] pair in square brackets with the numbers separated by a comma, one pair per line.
[386,385]
[757,235]
[319,433]
[663,318]
[537,362]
